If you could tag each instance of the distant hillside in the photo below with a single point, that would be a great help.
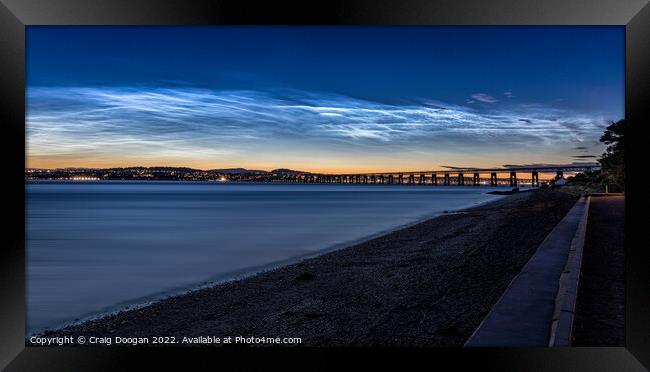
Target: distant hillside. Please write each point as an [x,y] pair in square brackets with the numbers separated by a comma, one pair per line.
[151,169]
[254,171]
[287,171]
[237,171]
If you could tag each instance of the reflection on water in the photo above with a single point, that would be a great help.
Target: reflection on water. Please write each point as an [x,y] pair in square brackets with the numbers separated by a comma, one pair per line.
[92,247]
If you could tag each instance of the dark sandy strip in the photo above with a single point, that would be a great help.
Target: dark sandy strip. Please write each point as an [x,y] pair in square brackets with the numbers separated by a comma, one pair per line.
[600,309]
[430,284]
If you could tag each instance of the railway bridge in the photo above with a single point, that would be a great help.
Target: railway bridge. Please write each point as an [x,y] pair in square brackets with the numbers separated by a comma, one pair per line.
[454,176]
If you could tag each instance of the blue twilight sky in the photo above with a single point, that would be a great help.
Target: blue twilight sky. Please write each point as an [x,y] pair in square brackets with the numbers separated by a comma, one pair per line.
[320,98]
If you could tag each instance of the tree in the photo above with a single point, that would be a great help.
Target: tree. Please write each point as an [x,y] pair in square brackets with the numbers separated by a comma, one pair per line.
[612,162]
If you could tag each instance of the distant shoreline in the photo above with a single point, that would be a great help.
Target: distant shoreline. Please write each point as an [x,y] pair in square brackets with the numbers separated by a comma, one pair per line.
[427,284]
[245,181]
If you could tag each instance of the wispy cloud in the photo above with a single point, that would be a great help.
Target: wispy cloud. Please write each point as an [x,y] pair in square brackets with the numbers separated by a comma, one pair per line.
[482,97]
[162,122]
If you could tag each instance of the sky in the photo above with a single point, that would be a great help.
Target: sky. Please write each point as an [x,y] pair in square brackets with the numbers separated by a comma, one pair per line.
[320,99]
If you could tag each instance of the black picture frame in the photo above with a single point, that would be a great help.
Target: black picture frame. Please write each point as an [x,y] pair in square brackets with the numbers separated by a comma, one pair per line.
[15,15]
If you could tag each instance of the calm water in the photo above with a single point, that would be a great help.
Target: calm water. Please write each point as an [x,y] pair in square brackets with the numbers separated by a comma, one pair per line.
[97,247]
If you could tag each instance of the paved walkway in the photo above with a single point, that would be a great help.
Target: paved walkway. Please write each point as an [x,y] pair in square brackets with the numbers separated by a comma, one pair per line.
[600,311]
[523,315]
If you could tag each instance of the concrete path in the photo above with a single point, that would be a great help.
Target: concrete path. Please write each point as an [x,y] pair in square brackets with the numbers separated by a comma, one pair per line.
[600,312]
[523,315]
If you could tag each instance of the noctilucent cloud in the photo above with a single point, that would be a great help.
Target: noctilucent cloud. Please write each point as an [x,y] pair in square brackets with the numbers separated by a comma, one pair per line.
[322,99]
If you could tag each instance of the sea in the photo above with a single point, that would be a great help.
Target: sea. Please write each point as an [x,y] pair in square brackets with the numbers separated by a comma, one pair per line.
[96,247]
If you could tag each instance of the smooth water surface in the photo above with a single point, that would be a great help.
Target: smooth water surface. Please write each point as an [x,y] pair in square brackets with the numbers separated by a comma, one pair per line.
[94,247]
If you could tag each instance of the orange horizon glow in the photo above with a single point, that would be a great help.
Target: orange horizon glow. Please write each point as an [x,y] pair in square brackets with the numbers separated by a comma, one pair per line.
[347,170]
[326,163]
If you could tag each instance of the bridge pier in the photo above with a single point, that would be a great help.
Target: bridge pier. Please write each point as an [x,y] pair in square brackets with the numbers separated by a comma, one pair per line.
[513,179]
[535,179]
[420,177]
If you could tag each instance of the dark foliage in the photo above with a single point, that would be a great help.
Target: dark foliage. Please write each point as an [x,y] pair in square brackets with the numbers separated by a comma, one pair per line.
[612,161]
